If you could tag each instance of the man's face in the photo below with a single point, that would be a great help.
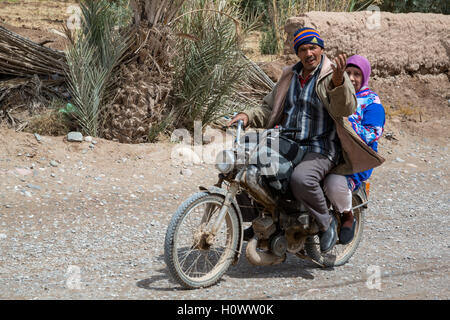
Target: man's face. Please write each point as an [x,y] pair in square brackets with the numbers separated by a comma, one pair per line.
[310,55]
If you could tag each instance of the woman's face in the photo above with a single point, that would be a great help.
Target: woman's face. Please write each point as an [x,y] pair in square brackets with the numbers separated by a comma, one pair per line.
[355,76]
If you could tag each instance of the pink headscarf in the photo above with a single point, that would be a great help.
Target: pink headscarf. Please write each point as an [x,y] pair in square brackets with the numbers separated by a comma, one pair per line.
[364,65]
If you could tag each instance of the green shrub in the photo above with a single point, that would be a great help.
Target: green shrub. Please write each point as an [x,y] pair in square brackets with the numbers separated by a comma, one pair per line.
[252,8]
[269,42]
[426,6]
[120,12]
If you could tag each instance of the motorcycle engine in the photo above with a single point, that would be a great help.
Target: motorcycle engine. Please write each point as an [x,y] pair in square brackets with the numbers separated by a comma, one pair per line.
[264,227]
[297,227]
[279,245]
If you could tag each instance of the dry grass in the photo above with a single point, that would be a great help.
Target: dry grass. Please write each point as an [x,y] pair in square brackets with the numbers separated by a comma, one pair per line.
[402,110]
[322,5]
[28,96]
[49,123]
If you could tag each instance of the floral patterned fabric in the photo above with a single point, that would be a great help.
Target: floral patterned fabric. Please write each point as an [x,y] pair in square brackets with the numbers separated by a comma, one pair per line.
[368,122]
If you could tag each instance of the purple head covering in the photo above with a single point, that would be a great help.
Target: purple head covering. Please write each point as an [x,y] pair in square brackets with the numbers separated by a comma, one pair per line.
[364,65]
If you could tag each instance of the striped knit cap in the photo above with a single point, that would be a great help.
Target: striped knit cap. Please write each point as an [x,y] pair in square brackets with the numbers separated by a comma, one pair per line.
[307,36]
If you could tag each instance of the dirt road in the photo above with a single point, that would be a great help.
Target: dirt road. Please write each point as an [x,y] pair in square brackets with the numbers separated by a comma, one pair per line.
[87,221]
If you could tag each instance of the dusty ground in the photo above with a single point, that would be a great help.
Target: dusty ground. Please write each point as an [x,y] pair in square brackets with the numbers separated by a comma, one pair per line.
[99,214]
[82,221]
[37,20]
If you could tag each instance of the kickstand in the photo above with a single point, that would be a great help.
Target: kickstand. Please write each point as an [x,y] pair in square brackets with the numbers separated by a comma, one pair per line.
[302,256]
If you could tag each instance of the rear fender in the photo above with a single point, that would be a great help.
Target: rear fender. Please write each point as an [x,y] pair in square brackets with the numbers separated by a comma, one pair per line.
[361,195]
[223,192]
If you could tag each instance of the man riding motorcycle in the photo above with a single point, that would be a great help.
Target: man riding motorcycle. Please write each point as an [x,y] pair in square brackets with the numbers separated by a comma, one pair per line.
[316,96]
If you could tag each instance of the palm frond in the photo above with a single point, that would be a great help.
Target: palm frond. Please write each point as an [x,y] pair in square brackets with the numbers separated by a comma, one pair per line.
[213,76]
[96,52]
[22,57]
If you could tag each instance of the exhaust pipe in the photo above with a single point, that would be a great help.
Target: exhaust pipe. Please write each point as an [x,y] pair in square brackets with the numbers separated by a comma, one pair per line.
[261,258]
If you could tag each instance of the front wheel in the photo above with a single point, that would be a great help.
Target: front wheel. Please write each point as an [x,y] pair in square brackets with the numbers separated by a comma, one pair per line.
[340,254]
[196,258]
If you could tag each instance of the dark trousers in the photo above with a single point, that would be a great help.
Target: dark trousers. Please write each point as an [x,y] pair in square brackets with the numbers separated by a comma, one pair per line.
[305,186]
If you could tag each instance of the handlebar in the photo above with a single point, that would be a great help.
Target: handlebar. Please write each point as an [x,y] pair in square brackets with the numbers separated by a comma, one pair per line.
[287,130]
[240,125]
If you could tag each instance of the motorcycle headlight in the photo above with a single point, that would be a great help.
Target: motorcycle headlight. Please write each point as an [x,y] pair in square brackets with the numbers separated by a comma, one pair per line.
[225,161]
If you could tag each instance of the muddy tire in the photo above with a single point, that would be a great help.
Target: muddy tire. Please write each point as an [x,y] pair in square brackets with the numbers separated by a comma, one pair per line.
[195,260]
[340,254]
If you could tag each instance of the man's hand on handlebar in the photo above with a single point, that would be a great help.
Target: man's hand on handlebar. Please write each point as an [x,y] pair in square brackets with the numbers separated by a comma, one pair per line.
[239,116]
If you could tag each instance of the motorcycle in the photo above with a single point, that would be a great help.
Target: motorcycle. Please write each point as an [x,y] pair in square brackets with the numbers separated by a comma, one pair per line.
[206,234]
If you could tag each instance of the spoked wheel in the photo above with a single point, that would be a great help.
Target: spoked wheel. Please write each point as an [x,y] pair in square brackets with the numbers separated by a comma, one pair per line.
[340,254]
[195,257]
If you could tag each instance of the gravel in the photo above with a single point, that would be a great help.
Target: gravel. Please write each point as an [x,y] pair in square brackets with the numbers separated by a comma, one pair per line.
[94,228]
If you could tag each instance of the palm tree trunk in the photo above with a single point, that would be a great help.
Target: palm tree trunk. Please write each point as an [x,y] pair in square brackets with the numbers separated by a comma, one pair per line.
[138,111]
[155,11]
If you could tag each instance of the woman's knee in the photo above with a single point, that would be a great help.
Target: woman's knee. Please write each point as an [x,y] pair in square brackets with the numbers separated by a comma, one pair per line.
[333,183]
[337,191]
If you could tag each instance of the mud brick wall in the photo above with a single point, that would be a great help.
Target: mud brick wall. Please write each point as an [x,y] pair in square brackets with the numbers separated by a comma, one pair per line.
[413,43]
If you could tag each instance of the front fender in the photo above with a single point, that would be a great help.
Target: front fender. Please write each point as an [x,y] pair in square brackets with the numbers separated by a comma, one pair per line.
[223,192]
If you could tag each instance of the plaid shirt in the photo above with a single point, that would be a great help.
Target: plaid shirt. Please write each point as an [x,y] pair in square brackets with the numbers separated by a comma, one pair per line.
[303,109]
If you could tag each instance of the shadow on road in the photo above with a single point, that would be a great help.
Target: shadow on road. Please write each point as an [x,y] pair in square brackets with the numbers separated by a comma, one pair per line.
[151,283]
[293,267]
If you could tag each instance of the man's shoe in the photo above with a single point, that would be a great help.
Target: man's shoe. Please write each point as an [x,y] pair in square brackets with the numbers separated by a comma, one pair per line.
[328,238]
[249,233]
[346,235]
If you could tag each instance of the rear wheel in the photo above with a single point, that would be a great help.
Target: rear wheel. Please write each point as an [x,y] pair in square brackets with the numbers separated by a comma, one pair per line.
[194,256]
[340,254]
